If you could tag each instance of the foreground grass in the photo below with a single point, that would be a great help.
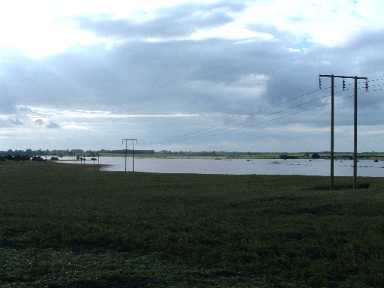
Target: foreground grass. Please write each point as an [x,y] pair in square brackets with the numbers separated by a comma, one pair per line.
[72,226]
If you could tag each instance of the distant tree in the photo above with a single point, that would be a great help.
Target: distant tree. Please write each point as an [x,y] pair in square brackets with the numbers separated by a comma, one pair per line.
[284,156]
[315,156]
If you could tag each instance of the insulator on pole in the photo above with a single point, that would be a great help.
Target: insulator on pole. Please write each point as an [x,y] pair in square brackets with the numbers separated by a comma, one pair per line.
[320,83]
[343,84]
[366,85]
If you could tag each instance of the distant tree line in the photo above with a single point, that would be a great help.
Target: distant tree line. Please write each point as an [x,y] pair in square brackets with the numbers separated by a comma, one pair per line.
[57,153]
[28,153]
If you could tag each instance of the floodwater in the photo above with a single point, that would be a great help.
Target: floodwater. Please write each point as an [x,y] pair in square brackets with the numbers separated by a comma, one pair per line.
[317,167]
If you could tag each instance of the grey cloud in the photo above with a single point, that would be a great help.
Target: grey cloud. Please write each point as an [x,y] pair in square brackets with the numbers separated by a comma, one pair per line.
[52,125]
[39,122]
[171,77]
[7,122]
[16,121]
[172,22]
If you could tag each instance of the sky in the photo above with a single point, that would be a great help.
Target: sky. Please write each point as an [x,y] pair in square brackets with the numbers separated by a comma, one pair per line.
[189,75]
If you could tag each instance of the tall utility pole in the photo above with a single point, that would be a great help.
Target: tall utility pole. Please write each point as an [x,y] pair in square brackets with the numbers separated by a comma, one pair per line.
[332,132]
[133,140]
[356,79]
[332,156]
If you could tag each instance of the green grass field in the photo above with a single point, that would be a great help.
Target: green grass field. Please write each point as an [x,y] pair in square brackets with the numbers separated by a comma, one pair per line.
[73,226]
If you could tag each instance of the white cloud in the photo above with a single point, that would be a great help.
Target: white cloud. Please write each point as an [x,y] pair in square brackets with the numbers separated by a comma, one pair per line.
[297,128]
[325,22]
[44,27]
[231,31]
[37,30]
[75,126]
[60,114]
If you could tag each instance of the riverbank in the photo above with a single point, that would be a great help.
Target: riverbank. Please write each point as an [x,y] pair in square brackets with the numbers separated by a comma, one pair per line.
[73,226]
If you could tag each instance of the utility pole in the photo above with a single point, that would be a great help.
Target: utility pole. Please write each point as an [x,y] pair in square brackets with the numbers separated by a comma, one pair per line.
[356,79]
[355,134]
[332,156]
[332,132]
[133,140]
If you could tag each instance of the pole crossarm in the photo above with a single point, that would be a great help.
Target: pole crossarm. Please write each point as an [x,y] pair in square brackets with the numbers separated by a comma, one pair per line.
[342,76]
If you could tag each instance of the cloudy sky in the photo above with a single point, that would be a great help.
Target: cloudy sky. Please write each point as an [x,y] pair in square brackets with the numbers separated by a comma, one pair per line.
[188,75]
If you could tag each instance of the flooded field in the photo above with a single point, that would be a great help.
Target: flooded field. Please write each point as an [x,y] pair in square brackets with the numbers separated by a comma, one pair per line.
[319,167]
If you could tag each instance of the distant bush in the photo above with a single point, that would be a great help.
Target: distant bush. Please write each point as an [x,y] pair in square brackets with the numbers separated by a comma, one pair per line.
[286,156]
[38,158]
[283,156]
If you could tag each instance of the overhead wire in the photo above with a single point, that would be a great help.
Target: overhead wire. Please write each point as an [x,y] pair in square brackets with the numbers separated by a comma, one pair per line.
[220,129]
[214,130]
[225,129]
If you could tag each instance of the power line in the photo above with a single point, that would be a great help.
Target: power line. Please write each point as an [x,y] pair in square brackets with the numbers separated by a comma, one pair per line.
[219,130]
[215,128]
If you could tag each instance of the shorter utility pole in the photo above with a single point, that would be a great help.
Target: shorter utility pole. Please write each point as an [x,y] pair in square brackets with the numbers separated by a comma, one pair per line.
[332,155]
[125,141]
